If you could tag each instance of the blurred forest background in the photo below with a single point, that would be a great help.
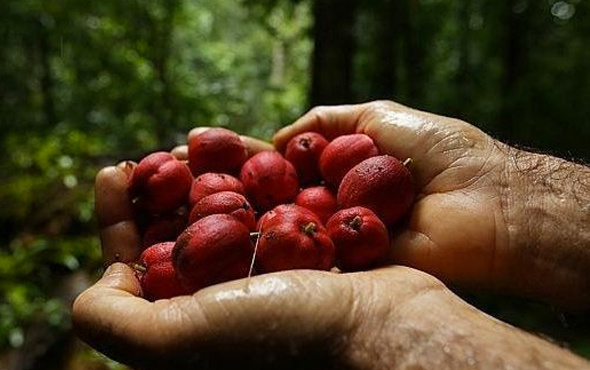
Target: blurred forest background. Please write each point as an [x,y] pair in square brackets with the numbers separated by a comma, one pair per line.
[84,84]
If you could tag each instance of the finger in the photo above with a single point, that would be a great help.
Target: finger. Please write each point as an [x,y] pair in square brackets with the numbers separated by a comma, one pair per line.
[180,152]
[196,131]
[253,145]
[119,234]
[330,121]
[107,314]
[256,145]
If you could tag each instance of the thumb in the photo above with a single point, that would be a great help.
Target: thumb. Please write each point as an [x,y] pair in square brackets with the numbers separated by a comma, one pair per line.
[119,279]
[330,121]
[107,314]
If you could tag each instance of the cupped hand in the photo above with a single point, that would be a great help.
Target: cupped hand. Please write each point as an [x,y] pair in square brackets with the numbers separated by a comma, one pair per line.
[456,229]
[291,319]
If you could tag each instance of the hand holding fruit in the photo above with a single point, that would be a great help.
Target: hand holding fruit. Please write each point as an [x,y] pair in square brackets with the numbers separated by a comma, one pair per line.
[297,318]
[480,219]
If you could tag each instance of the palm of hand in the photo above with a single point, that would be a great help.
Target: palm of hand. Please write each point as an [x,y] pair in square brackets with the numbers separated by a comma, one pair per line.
[287,319]
[456,228]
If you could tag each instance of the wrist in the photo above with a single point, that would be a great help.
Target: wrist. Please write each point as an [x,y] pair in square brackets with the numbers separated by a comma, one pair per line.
[433,328]
[547,212]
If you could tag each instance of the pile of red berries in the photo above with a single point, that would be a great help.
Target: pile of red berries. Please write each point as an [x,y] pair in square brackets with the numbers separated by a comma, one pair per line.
[318,205]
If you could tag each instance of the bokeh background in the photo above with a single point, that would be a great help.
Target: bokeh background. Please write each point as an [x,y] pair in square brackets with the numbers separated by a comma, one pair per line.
[84,84]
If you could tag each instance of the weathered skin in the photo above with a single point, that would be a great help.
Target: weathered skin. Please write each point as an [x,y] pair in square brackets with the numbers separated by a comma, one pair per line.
[487,216]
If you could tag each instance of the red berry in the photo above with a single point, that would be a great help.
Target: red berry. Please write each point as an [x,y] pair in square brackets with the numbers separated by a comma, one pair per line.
[320,200]
[382,184]
[269,180]
[216,150]
[156,273]
[211,183]
[214,249]
[360,238]
[225,202]
[293,238]
[164,228]
[343,153]
[304,151]
[160,183]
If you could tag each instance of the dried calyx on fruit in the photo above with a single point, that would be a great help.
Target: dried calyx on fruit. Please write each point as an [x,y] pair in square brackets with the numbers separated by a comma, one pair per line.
[360,238]
[304,151]
[292,237]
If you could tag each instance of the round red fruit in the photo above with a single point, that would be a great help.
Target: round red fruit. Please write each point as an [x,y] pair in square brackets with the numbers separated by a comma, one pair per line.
[293,237]
[343,153]
[318,199]
[216,150]
[269,180]
[304,151]
[164,228]
[211,183]
[214,249]
[156,273]
[382,184]
[225,202]
[360,238]
[160,183]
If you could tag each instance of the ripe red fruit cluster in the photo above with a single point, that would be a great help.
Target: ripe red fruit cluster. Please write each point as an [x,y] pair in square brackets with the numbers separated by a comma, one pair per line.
[322,204]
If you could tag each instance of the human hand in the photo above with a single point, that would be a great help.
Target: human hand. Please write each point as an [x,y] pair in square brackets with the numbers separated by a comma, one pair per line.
[393,318]
[387,318]
[119,233]
[474,220]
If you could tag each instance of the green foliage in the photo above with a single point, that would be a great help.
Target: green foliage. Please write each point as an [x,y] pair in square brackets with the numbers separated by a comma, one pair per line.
[86,84]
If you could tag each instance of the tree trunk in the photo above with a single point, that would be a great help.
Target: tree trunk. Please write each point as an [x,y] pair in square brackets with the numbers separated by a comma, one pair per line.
[333,51]
[46,79]
[511,55]
[384,82]
[413,54]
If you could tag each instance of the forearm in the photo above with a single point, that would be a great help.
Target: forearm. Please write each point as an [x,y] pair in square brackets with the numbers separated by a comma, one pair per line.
[547,210]
[446,333]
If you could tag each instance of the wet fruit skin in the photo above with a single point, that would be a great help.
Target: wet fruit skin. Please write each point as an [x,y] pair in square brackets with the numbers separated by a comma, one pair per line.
[225,202]
[214,249]
[156,273]
[269,180]
[165,228]
[293,237]
[382,184]
[160,183]
[342,154]
[304,151]
[318,199]
[360,238]
[216,150]
[211,183]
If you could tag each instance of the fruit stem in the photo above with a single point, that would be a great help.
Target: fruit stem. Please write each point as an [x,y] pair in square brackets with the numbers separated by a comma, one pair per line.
[407,162]
[137,267]
[356,222]
[310,228]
